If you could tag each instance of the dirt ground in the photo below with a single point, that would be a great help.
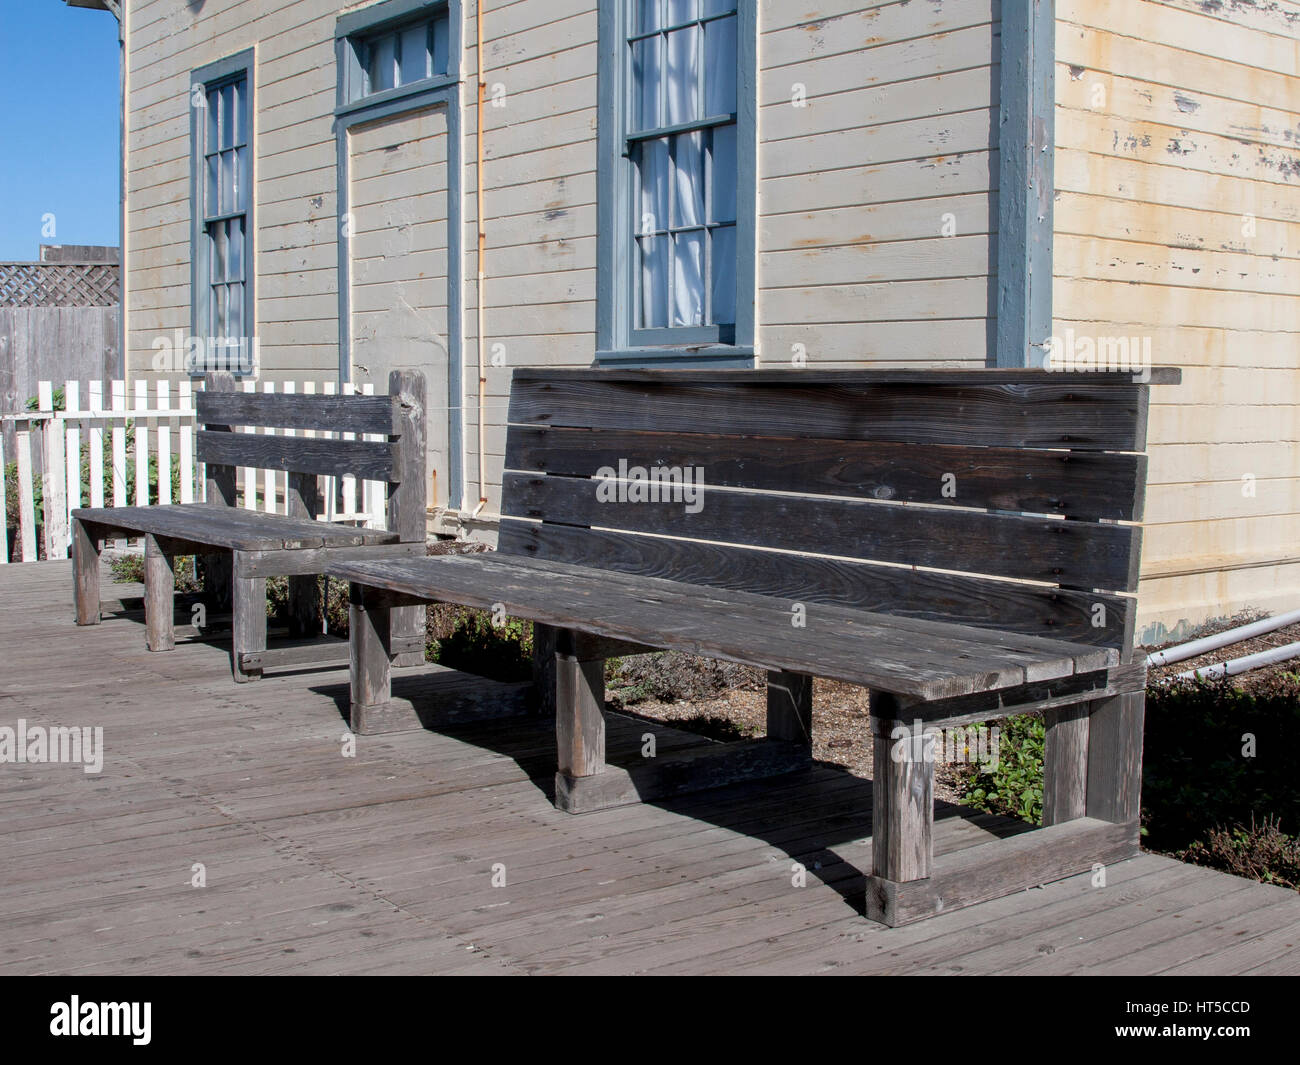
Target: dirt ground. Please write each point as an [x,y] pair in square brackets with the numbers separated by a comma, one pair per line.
[724,701]
[841,723]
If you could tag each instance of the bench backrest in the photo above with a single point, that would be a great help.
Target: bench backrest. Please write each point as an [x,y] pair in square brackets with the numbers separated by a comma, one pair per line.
[988,497]
[397,460]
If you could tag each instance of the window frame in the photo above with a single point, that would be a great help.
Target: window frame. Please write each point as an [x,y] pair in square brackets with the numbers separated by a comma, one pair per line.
[619,340]
[352,33]
[241,66]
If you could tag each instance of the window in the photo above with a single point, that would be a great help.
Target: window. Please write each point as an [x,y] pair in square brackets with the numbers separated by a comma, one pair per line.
[404,52]
[222,195]
[680,186]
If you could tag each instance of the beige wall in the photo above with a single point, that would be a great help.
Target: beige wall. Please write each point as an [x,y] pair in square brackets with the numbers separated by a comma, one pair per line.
[294,197]
[894,136]
[894,145]
[1165,150]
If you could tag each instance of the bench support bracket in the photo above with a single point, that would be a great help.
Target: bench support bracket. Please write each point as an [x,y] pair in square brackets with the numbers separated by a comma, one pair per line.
[1091,809]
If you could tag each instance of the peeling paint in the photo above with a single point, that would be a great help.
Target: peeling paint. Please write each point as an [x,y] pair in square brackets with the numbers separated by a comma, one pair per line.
[1186,104]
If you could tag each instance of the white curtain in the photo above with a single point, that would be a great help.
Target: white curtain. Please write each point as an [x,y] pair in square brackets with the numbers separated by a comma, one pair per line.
[670,91]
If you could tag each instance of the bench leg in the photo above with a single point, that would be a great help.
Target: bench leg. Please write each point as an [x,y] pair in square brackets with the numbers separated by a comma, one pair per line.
[902,816]
[248,603]
[544,645]
[579,728]
[1114,759]
[371,663]
[159,596]
[1065,763]
[409,627]
[85,573]
[789,707]
[304,605]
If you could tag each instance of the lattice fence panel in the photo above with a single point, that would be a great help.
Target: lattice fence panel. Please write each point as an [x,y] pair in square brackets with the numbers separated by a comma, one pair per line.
[60,284]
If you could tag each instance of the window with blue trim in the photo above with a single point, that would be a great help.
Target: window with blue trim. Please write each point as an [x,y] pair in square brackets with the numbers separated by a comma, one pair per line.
[400,54]
[222,203]
[678,184]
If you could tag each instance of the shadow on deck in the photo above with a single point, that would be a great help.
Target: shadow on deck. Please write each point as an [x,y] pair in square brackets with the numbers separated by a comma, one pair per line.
[439,851]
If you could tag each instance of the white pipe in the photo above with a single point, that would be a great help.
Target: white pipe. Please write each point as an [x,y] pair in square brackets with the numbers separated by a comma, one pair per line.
[1244,664]
[1221,639]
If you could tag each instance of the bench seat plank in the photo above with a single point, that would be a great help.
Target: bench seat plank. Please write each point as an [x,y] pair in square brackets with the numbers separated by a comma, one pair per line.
[912,657]
[231,528]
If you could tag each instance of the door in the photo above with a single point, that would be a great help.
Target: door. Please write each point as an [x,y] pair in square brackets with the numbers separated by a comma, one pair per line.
[398,270]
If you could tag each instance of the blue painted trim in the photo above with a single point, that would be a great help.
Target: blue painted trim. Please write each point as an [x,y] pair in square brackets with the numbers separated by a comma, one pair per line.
[714,358]
[615,337]
[227,69]
[1026,186]
[446,93]
[378,16]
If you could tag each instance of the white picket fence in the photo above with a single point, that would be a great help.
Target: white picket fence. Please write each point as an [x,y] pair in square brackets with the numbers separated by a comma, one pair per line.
[118,439]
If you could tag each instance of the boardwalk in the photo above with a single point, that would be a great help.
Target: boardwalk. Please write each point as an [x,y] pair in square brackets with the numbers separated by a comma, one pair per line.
[384,862]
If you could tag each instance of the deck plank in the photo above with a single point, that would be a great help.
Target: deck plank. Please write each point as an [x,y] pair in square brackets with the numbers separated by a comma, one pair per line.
[382,863]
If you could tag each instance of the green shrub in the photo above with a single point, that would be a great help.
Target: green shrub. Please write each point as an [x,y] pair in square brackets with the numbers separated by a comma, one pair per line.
[1220,777]
[1195,774]
[1259,851]
[477,646]
[129,569]
[1015,786]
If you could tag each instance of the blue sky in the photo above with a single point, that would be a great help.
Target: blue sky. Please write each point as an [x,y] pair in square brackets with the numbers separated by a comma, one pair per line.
[58,126]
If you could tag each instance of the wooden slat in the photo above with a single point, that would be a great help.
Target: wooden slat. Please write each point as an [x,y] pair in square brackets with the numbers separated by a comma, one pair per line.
[1042,549]
[927,660]
[1095,412]
[231,527]
[295,454]
[999,605]
[999,868]
[353,414]
[1081,484]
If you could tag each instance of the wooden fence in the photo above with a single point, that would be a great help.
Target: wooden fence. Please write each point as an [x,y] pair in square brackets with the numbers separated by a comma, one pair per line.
[95,449]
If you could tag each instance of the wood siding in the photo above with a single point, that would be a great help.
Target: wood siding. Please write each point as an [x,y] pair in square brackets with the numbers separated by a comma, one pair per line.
[1178,219]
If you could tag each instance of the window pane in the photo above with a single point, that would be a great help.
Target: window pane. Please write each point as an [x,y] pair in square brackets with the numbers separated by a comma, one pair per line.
[688,180]
[440,46]
[235,310]
[724,275]
[415,53]
[683,76]
[239,202]
[226,202]
[220,249]
[688,279]
[653,173]
[213,98]
[237,107]
[227,115]
[724,174]
[645,15]
[720,67]
[716,7]
[235,258]
[214,311]
[654,282]
[219,306]
[680,11]
[383,55]
[211,193]
[646,75]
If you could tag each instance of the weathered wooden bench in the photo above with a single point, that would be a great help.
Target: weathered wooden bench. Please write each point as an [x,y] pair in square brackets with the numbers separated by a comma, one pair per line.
[951,540]
[245,546]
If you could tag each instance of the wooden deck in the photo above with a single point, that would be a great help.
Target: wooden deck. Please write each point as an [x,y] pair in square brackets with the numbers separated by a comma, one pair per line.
[383,863]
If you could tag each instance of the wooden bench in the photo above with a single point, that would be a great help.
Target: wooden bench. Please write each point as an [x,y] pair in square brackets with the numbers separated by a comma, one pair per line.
[246,546]
[951,540]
